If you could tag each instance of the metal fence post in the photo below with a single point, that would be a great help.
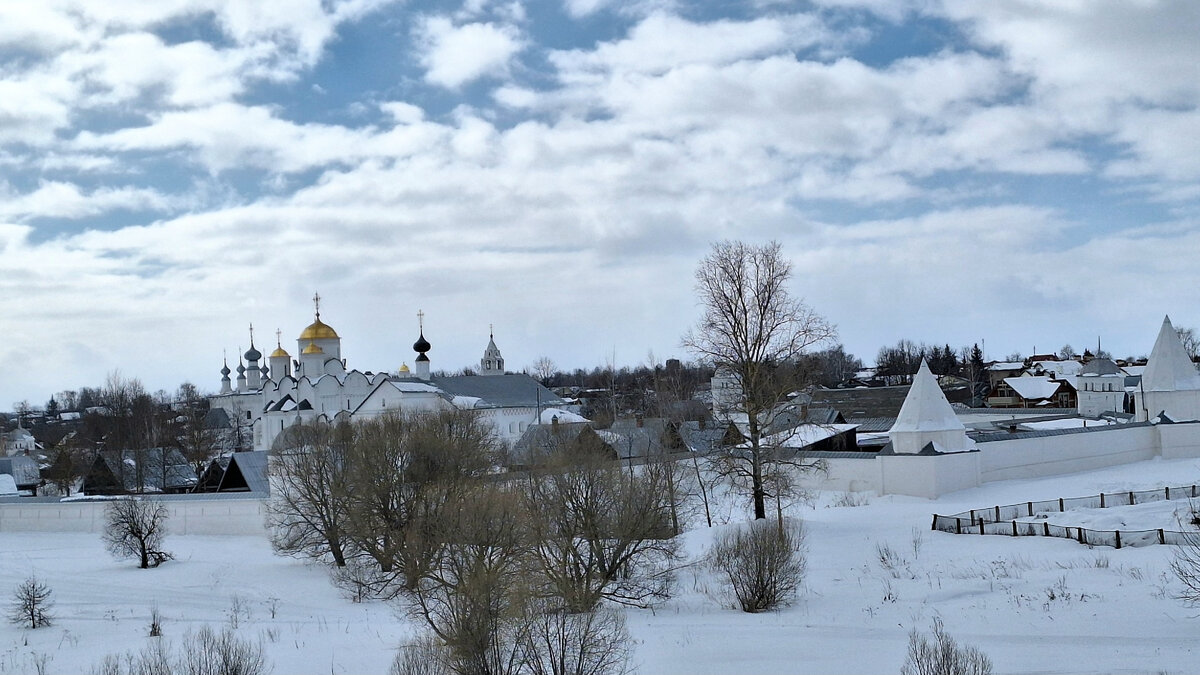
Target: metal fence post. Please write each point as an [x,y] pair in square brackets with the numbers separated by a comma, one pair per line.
[1101,500]
[1118,538]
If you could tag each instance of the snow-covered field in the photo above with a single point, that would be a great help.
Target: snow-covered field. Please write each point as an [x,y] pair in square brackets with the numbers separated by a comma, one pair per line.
[1033,604]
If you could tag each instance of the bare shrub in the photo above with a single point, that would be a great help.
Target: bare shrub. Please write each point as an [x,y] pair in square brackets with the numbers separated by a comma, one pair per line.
[763,561]
[209,653]
[31,604]
[422,657]
[134,527]
[155,622]
[1186,566]
[556,642]
[202,653]
[942,655]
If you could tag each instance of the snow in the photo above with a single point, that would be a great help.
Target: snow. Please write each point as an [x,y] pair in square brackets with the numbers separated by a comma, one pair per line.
[803,435]
[1033,388]
[1067,423]
[1033,604]
[465,402]
[8,484]
[565,416]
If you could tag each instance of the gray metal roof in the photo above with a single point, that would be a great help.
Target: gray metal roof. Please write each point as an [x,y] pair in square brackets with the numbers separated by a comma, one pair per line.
[499,391]
[23,469]
[1100,366]
[701,440]
[1006,436]
[253,469]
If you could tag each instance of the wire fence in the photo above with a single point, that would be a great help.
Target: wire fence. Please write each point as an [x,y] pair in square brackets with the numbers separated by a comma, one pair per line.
[1006,520]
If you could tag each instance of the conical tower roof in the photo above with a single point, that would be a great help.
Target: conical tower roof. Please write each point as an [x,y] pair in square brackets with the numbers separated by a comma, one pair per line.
[1169,368]
[926,408]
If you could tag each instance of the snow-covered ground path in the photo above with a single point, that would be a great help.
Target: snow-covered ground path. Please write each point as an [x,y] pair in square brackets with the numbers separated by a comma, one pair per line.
[1034,605]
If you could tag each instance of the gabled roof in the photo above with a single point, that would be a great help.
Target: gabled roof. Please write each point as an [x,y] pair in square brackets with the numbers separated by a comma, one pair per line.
[541,440]
[926,408]
[499,391]
[702,440]
[153,469]
[1169,368]
[246,471]
[1100,366]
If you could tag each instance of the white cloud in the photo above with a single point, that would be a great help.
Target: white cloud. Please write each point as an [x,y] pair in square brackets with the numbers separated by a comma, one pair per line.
[55,199]
[456,55]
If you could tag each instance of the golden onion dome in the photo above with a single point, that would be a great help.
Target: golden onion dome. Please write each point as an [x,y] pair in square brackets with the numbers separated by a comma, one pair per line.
[319,330]
[404,368]
[280,352]
[312,348]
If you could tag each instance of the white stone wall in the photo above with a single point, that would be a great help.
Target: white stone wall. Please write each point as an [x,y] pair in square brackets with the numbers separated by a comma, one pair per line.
[190,516]
[1067,453]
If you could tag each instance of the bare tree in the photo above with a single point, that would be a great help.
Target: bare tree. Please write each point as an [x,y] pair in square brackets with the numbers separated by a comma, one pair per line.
[753,328]
[135,528]
[1191,341]
[472,597]
[401,472]
[943,655]
[198,443]
[599,532]
[763,562]
[307,512]
[543,369]
[31,604]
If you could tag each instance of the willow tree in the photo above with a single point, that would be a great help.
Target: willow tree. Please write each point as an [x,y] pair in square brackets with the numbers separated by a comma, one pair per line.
[755,330]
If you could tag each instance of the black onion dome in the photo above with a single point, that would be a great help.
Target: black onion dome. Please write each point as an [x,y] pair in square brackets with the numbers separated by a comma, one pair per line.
[253,354]
[421,345]
[225,370]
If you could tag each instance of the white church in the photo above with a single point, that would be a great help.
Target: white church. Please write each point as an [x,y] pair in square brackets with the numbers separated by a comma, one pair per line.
[272,394]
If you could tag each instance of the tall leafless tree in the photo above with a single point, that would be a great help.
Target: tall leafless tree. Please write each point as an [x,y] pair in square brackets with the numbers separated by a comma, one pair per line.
[755,329]
[308,513]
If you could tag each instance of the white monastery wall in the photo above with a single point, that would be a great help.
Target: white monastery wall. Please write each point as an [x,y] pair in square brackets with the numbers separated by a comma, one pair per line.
[1068,453]
[190,516]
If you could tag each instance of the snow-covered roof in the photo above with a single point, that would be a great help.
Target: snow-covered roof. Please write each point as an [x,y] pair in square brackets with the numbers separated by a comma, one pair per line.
[803,435]
[8,486]
[1061,368]
[926,408]
[549,414]
[1169,368]
[1007,365]
[1033,388]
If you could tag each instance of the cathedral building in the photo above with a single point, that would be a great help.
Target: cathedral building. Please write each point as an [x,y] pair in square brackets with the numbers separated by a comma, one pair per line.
[272,395]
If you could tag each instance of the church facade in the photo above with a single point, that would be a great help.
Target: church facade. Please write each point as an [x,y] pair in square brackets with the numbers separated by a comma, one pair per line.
[273,394]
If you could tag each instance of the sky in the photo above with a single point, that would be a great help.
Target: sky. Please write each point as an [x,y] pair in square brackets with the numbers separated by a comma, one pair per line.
[1018,172]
